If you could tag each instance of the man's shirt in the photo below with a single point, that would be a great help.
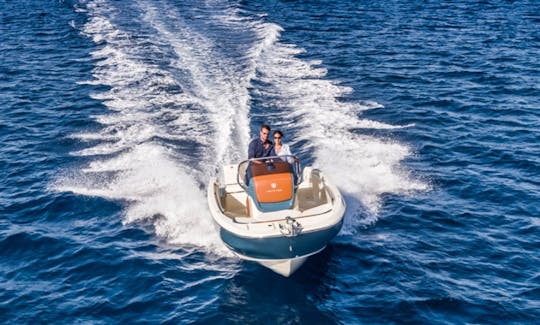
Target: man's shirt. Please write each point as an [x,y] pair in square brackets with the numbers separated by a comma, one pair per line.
[256,149]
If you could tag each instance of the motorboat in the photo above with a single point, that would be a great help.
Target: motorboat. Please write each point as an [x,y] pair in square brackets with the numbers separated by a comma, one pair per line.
[271,211]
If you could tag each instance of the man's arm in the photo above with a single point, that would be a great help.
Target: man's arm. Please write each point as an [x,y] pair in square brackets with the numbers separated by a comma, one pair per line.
[251,149]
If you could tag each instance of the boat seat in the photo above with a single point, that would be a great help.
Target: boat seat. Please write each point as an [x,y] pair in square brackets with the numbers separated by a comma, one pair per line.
[229,174]
[272,182]
[271,186]
[230,179]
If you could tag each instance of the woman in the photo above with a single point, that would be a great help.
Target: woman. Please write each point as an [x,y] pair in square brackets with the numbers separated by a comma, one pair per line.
[281,149]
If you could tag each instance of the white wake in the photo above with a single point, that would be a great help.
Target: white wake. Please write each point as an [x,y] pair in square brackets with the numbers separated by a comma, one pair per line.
[363,167]
[171,123]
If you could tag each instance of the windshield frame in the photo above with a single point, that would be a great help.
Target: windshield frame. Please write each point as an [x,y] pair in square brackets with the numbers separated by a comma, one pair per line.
[291,159]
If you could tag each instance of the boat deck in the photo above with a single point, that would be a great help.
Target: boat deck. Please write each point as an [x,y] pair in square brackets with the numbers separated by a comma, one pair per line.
[234,200]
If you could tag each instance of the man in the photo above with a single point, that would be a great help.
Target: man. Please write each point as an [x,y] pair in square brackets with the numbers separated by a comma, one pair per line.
[261,146]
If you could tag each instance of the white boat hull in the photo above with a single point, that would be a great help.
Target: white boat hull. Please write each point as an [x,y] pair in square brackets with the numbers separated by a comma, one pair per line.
[285,267]
[281,240]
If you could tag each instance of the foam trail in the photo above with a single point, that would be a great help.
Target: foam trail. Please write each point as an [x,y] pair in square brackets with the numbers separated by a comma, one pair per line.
[363,167]
[225,100]
[170,121]
[151,189]
[178,107]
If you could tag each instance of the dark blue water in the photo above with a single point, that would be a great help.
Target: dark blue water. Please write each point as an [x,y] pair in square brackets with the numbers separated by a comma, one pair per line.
[114,115]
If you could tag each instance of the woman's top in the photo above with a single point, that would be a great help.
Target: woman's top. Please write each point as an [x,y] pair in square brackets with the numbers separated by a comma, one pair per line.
[285,150]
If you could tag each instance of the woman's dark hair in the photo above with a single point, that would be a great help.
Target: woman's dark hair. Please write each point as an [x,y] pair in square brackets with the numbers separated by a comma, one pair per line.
[278,132]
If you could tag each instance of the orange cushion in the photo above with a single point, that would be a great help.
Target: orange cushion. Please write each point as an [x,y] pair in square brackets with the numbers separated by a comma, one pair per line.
[273,188]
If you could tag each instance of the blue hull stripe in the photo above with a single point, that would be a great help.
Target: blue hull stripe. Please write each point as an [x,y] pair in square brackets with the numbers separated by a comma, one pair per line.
[280,247]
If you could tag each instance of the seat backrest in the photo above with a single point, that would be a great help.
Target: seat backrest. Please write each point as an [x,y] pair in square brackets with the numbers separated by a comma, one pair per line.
[273,188]
[272,183]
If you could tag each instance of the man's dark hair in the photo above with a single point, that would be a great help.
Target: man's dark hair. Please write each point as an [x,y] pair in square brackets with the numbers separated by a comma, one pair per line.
[265,126]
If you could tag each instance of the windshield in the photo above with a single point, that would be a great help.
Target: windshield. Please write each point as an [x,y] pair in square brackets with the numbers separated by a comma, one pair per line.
[269,165]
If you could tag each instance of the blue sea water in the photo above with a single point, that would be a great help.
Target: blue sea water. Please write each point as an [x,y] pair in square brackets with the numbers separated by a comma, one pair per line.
[115,114]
